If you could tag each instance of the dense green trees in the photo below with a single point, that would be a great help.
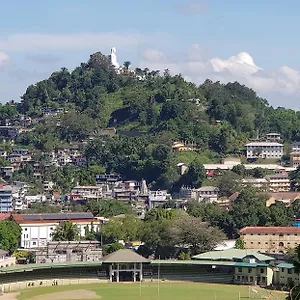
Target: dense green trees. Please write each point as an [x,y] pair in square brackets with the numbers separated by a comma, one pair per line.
[10,234]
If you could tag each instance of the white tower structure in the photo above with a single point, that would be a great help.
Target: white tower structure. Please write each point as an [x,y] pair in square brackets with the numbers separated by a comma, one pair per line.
[113,58]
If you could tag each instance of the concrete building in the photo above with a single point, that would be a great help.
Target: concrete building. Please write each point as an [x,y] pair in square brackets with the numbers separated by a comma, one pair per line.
[264,150]
[157,198]
[259,183]
[279,182]
[69,251]
[6,198]
[37,229]
[295,146]
[88,192]
[295,159]
[270,239]
[273,136]
[249,267]
[207,194]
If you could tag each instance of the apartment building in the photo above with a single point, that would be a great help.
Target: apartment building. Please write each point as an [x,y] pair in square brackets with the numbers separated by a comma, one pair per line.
[264,150]
[6,198]
[258,183]
[273,136]
[295,159]
[270,239]
[88,192]
[278,182]
[37,229]
[208,194]
[157,198]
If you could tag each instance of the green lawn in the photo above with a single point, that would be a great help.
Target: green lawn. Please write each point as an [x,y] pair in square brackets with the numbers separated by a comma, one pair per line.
[149,291]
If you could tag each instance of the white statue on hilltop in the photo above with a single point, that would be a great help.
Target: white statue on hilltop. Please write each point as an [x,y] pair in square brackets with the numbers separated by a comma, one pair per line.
[113,58]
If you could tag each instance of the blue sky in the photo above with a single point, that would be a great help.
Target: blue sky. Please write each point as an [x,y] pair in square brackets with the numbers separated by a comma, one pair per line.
[254,42]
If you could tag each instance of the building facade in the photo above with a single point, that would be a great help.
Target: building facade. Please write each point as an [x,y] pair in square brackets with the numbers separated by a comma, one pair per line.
[37,229]
[6,198]
[279,182]
[270,239]
[264,150]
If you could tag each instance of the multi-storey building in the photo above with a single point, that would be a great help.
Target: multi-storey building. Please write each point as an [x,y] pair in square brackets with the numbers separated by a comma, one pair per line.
[157,198]
[264,150]
[259,183]
[270,239]
[37,229]
[279,182]
[6,199]
[295,159]
[273,136]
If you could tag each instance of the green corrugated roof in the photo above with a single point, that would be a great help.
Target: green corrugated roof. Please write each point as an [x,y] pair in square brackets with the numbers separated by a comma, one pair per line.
[249,265]
[231,255]
[285,266]
[191,262]
[31,267]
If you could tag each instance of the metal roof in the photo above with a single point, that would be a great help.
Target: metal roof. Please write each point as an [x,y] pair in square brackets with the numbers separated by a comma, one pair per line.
[231,255]
[31,267]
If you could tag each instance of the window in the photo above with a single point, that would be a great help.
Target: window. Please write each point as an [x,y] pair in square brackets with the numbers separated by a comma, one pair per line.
[34,243]
[281,244]
[258,243]
[240,270]
[261,271]
[25,229]
[290,271]
[249,270]
[251,279]
[266,243]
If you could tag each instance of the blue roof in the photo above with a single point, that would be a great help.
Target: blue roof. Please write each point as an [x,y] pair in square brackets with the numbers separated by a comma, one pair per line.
[285,266]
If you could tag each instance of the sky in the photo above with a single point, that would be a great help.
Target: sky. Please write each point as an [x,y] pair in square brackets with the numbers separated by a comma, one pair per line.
[254,42]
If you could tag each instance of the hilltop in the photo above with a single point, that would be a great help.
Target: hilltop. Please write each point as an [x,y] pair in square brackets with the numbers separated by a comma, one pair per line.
[127,121]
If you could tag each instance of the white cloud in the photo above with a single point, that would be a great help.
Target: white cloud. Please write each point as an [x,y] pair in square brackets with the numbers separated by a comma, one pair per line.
[82,41]
[241,67]
[4,58]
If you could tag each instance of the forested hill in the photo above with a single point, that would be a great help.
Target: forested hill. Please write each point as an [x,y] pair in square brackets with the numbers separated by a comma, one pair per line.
[218,118]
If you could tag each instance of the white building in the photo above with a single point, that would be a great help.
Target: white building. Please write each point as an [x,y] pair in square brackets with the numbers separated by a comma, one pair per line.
[37,229]
[88,191]
[273,136]
[157,198]
[295,147]
[264,150]
[207,194]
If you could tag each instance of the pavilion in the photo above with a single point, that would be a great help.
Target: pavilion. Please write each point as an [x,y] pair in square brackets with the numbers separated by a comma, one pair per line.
[125,265]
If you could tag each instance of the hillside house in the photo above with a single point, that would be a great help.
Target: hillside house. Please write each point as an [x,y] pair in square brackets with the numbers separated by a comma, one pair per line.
[264,150]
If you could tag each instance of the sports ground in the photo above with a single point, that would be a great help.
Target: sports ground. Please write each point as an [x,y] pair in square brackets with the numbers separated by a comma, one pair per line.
[144,291]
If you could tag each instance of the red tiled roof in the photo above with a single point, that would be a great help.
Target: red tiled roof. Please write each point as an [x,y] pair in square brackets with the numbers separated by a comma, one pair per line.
[270,230]
[5,216]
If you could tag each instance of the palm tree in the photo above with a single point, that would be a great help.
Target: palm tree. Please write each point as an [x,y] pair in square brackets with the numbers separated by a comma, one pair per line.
[66,232]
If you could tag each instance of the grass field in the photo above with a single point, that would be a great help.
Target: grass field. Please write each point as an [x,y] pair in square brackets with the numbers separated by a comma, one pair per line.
[167,291]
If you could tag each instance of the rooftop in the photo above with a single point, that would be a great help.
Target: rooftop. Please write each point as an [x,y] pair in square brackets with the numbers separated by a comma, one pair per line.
[124,256]
[52,217]
[231,255]
[270,230]
[262,144]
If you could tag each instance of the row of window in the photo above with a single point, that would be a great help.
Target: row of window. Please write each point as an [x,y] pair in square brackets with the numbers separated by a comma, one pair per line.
[280,244]
[281,234]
